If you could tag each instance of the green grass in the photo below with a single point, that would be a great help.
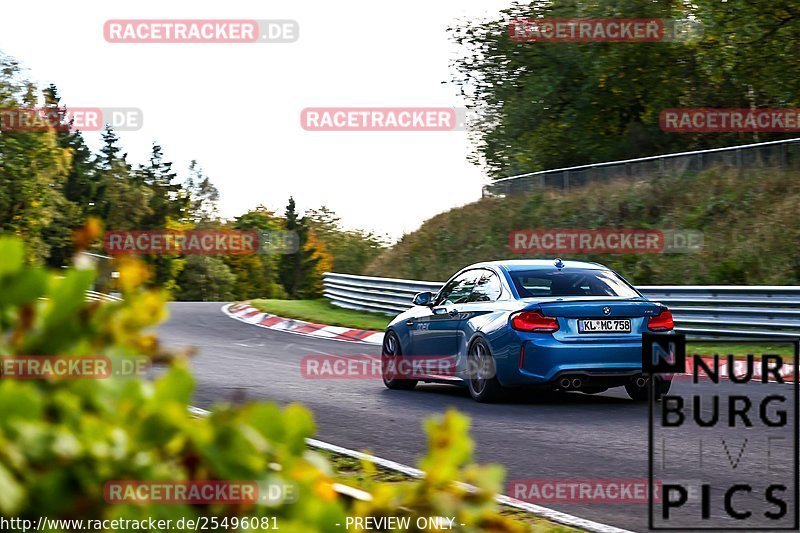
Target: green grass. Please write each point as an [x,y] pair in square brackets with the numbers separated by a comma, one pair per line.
[741,350]
[749,250]
[322,312]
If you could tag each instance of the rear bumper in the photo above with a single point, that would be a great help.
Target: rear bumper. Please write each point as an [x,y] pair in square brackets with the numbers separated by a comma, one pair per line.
[603,363]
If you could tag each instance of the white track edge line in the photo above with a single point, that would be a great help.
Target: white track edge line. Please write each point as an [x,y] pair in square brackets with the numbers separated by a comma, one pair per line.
[225,310]
[537,510]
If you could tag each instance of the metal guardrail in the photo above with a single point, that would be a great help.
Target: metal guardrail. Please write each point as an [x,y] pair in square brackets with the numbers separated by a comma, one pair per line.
[94,296]
[716,310]
[781,154]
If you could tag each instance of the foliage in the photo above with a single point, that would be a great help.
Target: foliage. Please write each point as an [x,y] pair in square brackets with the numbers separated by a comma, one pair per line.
[32,166]
[553,105]
[449,458]
[205,278]
[257,274]
[298,272]
[352,250]
[323,262]
[62,440]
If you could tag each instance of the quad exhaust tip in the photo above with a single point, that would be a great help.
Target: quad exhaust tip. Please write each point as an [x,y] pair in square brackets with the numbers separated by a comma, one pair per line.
[641,382]
[570,384]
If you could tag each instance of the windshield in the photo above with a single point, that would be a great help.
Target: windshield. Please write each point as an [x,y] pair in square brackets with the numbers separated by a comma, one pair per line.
[572,282]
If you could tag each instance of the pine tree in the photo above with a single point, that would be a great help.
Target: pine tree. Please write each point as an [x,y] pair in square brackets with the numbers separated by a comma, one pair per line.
[73,207]
[166,201]
[202,196]
[296,271]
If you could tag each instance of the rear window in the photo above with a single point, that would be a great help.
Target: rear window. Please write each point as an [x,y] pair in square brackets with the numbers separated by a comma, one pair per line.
[571,282]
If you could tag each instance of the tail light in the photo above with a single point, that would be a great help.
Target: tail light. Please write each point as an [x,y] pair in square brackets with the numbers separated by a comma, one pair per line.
[533,321]
[662,322]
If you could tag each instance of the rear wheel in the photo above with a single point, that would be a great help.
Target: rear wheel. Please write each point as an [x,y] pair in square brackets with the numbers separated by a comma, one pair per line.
[482,377]
[390,357]
[641,394]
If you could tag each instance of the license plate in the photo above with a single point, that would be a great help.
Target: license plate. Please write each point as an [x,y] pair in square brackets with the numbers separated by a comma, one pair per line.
[604,326]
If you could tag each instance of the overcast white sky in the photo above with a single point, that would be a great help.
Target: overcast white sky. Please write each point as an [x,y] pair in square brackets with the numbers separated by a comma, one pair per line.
[236,107]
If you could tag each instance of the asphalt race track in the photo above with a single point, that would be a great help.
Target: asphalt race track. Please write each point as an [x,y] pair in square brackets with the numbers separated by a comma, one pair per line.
[557,437]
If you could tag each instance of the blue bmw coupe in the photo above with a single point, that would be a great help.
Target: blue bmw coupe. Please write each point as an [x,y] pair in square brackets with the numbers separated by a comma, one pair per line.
[551,324]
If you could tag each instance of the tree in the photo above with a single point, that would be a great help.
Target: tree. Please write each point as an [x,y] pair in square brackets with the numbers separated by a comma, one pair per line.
[79,190]
[166,200]
[552,105]
[205,278]
[256,274]
[33,169]
[323,262]
[352,250]
[202,196]
[296,271]
[123,202]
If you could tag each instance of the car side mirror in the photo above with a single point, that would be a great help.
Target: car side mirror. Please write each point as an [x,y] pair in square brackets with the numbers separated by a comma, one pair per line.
[423,298]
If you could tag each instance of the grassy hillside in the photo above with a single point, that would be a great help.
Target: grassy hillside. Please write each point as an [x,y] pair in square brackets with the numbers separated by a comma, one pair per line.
[750,225]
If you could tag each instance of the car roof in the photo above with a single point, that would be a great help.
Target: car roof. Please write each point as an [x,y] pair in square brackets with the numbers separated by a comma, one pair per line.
[512,265]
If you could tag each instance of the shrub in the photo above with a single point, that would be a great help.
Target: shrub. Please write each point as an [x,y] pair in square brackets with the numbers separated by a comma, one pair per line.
[62,440]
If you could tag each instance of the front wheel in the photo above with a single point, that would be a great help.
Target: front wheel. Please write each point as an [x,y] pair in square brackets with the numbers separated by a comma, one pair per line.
[390,358]
[641,394]
[482,377]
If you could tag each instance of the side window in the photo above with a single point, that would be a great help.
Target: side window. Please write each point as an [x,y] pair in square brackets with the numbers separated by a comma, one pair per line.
[487,287]
[458,290]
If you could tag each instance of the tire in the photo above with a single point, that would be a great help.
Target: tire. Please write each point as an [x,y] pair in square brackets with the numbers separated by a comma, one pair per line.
[481,374]
[391,351]
[642,394]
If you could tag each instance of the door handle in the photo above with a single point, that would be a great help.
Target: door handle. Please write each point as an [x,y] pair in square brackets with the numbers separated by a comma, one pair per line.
[409,322]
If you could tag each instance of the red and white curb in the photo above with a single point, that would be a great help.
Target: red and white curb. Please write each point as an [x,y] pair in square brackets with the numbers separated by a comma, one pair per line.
[536,510]
[244,312]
